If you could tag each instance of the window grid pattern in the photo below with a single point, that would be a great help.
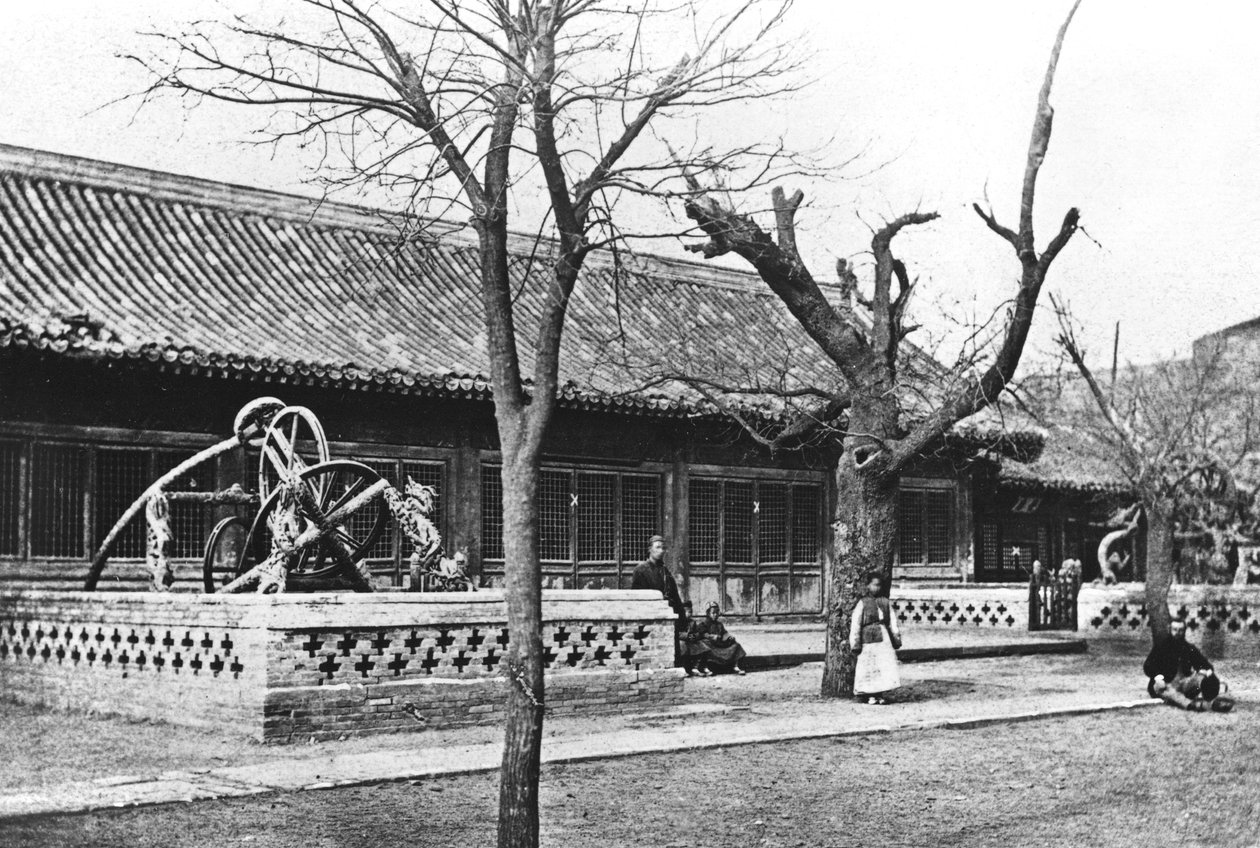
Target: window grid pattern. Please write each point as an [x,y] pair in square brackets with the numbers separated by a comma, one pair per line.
[554,515]
[57,490]
[121,477]
[754,522]
[1009,547]
[990,544]
[805,507]
[772,510]
[491,512]
[585,519]
[1018,557]
[361,522]
[640,514]
[1021,544]
[188,520]
[737,522]
[703,520]
[938,515]
[910,527]
[925,526]
[10,497]
[596,530]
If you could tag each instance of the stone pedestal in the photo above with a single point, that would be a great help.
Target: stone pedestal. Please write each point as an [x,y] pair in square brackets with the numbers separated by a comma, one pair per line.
[284,667]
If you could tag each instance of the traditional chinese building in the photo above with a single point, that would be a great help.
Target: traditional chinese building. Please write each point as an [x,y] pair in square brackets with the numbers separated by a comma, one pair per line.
[140,310]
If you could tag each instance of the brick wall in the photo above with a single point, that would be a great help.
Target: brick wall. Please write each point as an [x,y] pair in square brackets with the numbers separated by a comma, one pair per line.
[1223,620]
[281,667]
[975,606]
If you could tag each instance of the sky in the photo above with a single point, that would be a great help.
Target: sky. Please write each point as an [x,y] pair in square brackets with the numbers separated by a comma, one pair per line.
[1157,115]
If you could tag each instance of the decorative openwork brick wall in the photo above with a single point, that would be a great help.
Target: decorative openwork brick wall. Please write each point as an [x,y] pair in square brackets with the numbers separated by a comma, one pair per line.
[993,607]
[296,666]
[1223,620]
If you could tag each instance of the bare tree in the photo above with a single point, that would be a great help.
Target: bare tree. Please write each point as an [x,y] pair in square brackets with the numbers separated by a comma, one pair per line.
[480,106]
[888,422]
[1179,432]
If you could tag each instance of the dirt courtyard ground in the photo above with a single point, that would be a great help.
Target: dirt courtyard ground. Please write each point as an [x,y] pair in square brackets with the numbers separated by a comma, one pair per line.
[1147,777]
[46,748]
[1152,777]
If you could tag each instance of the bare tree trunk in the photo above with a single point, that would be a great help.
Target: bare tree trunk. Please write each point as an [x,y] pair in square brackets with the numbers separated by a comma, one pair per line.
[1159,566]
[865,533]
[522,742]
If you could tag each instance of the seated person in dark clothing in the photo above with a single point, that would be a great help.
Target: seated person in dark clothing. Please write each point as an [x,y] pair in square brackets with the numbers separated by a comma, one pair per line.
[692,650]
[1180,675]
[724,653]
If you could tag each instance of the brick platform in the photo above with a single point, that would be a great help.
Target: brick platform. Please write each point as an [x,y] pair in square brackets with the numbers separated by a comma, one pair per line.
[281,667]
[1223,620]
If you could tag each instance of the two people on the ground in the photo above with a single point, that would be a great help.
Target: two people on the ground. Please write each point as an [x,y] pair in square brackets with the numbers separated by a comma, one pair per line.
[875,638]
[1181,676]
[706,647]
[699,646]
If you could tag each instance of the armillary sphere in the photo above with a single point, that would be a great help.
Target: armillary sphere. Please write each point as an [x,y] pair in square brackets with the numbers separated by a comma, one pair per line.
[293,441]
[331,485]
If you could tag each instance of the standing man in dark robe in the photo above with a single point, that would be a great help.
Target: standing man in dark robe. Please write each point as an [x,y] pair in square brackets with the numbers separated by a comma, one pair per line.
[653,574]
[1180,675]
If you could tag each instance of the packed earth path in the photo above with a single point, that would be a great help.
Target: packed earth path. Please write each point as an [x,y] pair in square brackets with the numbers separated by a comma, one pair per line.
[983,780]
[1151,777]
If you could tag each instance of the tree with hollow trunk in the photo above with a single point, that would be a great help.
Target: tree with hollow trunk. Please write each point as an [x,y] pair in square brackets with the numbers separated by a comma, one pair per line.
[1180,433]
[882,434]
[480,107]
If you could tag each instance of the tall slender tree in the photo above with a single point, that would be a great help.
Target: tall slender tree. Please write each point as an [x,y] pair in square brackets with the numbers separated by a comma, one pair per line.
[479,107]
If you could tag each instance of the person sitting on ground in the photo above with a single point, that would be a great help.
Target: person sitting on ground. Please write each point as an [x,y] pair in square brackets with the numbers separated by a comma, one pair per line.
[723,653]
[874,637]
[1181,676]
[692,651]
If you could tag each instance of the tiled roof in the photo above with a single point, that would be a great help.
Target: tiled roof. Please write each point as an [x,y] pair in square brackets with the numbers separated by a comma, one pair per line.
[106,261]
[103,261]
[1069,462]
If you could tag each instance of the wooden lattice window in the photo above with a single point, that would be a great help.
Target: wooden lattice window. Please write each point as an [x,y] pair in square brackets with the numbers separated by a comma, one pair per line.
[122,475]
[805,507]
[990,546]
[640,514]
[753,544]
[1023,543]
[584,516]
[772,511]
[704,512]
[10,498]
[596,524]
[188,519]
[72,494]
[491,512]
[397,472]
[925,526]
[361,522]
[737,521]
[554,514]
[57,489]
[743,515]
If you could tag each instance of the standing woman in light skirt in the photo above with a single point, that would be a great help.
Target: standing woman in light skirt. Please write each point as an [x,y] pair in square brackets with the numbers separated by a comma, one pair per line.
[874,637]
